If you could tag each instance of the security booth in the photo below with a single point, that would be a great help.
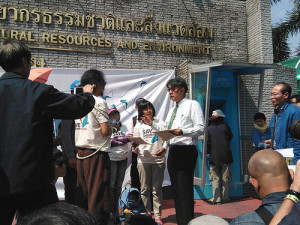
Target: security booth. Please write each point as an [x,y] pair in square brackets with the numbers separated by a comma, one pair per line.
[216,86]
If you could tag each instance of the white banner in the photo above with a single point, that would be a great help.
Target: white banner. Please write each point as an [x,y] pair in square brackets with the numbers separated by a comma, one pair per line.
[122,89]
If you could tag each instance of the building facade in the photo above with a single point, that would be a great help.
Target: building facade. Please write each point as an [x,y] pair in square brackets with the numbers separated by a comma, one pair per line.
[156,34]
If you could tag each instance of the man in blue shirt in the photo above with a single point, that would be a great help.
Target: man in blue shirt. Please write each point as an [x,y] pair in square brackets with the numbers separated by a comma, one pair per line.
[269,177]
[284,113]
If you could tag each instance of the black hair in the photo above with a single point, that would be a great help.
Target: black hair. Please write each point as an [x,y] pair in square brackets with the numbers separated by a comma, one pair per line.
[143,105]
[286,88]
[12,53]
[59,213]
[297,97]
[93,76]
[178,82]
[139,100]
[259,115]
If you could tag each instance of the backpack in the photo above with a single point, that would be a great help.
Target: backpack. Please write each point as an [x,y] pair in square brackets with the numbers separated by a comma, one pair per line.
[129,202]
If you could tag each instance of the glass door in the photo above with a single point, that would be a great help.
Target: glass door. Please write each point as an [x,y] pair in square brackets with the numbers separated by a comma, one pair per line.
[200,82]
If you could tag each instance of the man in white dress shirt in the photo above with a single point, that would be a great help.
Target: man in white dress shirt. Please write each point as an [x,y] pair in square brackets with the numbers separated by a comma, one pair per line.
[186,118]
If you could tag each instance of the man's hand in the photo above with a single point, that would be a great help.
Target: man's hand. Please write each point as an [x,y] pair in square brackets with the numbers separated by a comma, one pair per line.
[177,132]
[160,151]
[268,142]
[296,182]
[89,88]
[72,162]
[147,120]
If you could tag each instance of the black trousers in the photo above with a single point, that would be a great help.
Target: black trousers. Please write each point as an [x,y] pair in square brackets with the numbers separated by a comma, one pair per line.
[25,203]
[181,165]
[134,173]
[70,180]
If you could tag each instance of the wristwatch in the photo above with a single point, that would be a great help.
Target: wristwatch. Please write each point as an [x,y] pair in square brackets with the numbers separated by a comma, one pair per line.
[292,192]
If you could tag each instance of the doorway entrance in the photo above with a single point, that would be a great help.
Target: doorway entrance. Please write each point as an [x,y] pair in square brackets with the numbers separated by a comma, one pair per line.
[216,86]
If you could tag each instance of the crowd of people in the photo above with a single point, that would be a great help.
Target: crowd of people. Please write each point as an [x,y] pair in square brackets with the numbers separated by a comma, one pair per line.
[95,147]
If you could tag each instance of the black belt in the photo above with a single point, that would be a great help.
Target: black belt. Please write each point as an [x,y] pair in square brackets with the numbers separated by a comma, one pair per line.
[92,149]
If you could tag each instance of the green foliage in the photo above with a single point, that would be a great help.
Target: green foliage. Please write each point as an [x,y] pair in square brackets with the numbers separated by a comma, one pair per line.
[290,25]
[281,50]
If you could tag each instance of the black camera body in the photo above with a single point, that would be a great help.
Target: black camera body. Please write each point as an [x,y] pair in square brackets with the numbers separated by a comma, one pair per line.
[294,129]
[78,90]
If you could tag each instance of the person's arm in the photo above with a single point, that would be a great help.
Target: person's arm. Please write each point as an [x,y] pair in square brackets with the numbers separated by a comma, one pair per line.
[196,115]
[106,129]
[296,143]
[158,124]
[257,140]
[101,113]
[287,213]
[66,138]
[59,105]
[288,205]
[68,142]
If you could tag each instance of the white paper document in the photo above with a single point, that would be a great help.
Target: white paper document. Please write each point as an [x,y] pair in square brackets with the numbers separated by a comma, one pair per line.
[292,167]
[137,140]
[286,152]
[165,134]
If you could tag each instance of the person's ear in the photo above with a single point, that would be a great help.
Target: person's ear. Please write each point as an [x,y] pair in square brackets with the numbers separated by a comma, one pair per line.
[286,95]
[182,90]
[254,183]
[25,62]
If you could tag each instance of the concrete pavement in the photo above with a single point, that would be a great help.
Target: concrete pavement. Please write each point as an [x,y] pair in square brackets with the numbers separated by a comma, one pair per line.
[226,211]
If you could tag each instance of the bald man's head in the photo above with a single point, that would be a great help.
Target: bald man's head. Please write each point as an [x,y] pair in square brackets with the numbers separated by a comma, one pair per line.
[267,163]
[269,170]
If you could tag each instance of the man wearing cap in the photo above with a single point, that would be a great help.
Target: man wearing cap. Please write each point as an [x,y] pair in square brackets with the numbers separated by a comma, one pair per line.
[185,121]
[219,136]
[67,137]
